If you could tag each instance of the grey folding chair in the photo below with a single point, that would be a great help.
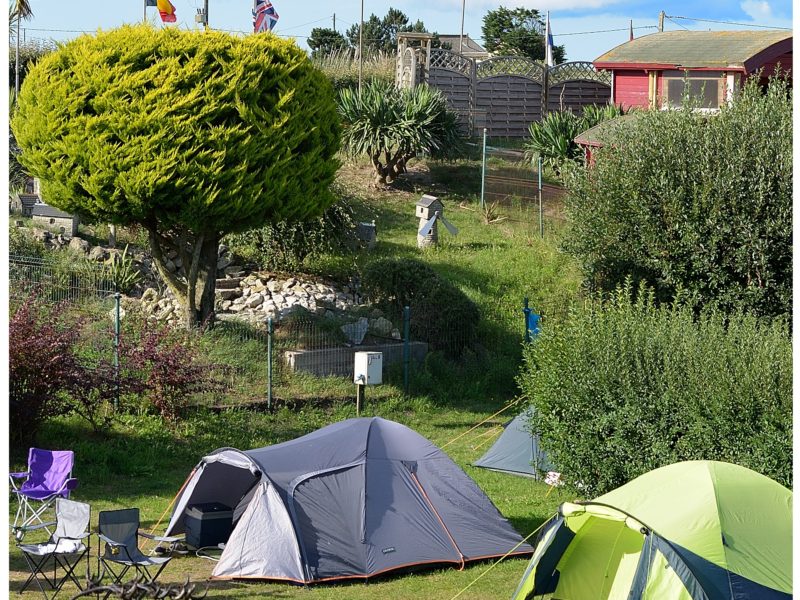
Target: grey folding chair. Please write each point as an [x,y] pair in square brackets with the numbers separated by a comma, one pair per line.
[119,533]
[64,551]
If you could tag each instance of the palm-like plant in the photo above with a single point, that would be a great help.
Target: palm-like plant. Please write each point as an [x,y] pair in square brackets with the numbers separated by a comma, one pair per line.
[392,126]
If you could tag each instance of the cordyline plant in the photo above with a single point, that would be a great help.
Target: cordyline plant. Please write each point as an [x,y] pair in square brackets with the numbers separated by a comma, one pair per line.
[391,126]
[190,135]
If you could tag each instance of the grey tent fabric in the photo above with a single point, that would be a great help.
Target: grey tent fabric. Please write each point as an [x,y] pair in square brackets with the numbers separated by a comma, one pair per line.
[516,450]
[351,500]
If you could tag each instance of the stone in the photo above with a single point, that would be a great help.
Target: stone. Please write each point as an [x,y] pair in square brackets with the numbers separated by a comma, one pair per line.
[396,334]
[290,283]
[226,304]
[222,250]
[278,299]
[227,283]
[79,244]
[273,285]
[228,294]
[254,301]
[172,254]
[246,292]
[150,295]
[98,253]
[355,332]
[320,311]
[376,313]
[381,326]
[234,271]
[166,313]
[223,262]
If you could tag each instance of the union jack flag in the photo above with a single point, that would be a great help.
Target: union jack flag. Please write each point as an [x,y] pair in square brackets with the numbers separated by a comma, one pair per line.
[264,16]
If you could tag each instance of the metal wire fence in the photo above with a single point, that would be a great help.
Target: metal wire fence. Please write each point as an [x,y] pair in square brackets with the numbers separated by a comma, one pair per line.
[306,357]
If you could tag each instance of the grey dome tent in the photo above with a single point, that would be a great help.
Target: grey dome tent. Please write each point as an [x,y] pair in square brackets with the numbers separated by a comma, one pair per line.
[516,451]
[351,500]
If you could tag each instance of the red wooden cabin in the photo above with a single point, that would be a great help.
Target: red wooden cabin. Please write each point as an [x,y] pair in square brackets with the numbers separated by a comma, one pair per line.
[652,71]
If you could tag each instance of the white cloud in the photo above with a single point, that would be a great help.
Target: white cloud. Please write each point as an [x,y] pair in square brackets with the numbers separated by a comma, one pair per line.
[757,10]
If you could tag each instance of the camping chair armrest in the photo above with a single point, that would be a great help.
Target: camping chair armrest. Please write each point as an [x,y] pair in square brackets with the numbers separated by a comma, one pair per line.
[13,476]
[109,541]
[18,475]
[70,484]
[161,538]
[38,526]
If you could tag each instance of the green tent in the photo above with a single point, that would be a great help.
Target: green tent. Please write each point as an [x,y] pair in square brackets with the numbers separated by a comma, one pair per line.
[698,530]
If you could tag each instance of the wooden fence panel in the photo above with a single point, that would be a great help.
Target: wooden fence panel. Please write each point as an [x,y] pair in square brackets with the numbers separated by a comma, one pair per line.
[507,104]
[577,94]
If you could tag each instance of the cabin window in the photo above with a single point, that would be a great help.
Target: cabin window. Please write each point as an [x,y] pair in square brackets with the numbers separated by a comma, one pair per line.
[707,90]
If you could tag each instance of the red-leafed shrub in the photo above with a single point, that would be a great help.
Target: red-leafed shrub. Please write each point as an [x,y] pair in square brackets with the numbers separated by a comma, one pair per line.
[168,364]
[42,366]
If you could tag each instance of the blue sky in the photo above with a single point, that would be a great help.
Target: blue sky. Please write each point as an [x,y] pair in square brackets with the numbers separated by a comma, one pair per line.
[57,19]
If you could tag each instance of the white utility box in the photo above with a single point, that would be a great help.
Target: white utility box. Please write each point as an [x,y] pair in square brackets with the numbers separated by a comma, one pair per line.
[368,368]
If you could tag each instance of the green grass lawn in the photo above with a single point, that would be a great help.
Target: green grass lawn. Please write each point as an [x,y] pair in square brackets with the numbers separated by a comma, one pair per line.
[142,463]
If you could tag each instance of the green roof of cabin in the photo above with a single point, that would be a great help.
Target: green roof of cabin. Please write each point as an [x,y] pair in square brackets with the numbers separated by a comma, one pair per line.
[601,133]
[700,49]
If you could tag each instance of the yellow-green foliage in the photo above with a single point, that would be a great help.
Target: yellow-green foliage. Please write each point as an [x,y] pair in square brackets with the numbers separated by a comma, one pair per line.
[207,132]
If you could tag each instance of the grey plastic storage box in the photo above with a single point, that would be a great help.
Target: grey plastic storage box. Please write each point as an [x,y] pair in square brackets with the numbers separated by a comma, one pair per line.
[208,524]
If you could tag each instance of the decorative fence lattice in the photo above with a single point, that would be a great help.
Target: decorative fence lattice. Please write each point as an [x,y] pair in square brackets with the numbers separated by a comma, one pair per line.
[505,94]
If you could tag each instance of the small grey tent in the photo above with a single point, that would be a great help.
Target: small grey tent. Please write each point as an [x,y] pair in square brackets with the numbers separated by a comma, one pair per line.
[516,450]
[351,500]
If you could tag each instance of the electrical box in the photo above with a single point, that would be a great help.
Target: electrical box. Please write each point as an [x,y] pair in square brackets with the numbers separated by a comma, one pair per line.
[368,368]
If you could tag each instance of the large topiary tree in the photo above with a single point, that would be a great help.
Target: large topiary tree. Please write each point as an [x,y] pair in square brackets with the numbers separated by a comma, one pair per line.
[190,135]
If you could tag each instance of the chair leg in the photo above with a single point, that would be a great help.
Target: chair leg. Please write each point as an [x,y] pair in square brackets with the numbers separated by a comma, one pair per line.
[36,569]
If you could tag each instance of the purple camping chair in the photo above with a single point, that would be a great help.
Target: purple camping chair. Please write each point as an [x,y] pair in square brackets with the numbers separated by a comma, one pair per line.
[49,476]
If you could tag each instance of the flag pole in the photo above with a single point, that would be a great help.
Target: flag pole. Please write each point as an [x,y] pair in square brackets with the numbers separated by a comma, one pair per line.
[361,48]
[461,37]
[144,16]
[205,14]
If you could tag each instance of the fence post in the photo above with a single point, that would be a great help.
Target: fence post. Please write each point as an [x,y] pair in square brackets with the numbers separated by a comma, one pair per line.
[406,346]
[483,170]
[270,332]
[541,214]
[526,311]
[117,302]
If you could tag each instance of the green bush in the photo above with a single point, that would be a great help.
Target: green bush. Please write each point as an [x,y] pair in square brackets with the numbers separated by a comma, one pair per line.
[624,386]
[441,314]
[553,139]
[687,201]
[286,245]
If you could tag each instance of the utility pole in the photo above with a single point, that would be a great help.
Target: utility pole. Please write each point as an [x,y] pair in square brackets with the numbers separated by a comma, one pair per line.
[661,21]
[461,37]
[360,48]
[205,14]
[144,14]
[334,21]
[16,65]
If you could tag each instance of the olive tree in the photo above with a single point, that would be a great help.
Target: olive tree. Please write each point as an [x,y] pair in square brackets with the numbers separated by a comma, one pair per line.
[191,135]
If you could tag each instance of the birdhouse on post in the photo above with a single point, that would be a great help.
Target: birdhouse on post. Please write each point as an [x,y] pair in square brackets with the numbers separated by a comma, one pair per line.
[429,210]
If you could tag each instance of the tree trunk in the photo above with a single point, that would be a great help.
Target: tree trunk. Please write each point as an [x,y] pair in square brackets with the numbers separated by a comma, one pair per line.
[195,291]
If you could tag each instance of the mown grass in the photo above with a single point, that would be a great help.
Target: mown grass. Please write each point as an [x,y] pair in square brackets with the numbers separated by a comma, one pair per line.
[142,462]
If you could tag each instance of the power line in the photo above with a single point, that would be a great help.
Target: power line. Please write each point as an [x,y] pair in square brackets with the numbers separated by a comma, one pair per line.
[676,23]
[670,17]
[603,31]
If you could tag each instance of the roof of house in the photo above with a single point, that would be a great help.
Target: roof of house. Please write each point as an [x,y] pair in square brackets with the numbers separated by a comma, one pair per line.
[601,133]
[45,210]
[729,50]
[28,199]
[469,46]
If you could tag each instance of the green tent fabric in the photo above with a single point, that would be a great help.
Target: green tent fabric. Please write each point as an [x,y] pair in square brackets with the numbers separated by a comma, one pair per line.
[697,530]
